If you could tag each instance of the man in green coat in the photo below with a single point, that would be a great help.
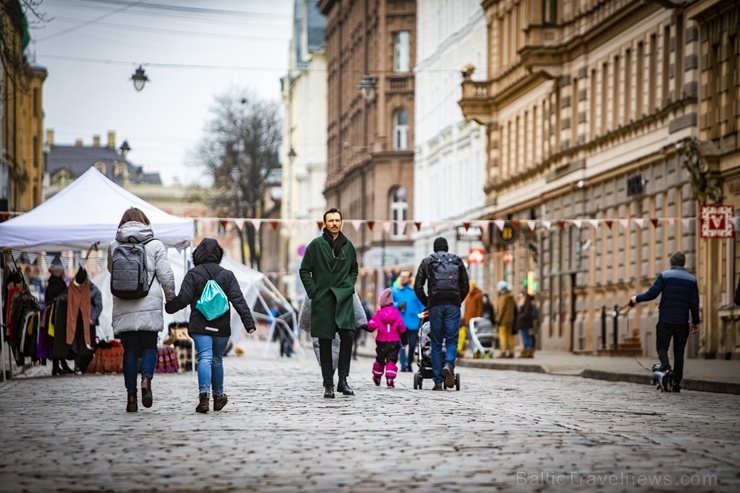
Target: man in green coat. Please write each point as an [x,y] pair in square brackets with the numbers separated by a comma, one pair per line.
[329,272]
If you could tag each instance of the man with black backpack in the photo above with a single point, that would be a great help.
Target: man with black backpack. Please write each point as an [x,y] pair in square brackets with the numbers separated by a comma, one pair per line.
[447,285]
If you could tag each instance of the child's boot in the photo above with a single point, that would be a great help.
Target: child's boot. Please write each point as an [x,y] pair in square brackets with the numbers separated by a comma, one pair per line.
[377,372]
[390,383]
[390,372]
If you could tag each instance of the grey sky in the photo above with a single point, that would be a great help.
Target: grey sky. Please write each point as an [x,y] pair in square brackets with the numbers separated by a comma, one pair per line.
[191,50]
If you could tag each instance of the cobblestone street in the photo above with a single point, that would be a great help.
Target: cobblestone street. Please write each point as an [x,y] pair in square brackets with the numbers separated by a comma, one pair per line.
[505,431]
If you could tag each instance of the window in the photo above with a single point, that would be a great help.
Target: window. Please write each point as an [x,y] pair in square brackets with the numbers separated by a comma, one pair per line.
[398,212]
[400,129]
[100,166]
[549,11]
[402,57]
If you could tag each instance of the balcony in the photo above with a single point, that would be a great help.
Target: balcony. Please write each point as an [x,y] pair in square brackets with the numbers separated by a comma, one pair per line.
[476,103]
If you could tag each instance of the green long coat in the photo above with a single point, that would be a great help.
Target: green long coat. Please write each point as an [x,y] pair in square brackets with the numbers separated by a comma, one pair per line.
[330,283]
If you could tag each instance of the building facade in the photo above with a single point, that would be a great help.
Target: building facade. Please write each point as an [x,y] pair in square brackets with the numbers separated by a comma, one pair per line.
[21,116]
[718,177]
[450,158]
[370,129]
[590,107]
[304,143]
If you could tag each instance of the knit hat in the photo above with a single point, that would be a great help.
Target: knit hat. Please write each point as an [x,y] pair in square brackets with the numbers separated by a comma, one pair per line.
[440,245]
[386,297]
[503,286]
[56,268]
[678,258]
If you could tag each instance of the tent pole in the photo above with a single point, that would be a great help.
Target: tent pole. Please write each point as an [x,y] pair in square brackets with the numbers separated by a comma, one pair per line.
[2,325]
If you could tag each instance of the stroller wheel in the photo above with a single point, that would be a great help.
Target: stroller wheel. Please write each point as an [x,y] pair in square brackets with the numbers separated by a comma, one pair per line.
[417,381]
[457,381]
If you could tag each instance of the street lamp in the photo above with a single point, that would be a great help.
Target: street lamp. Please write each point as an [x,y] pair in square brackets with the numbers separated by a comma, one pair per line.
[139,78]
[124,148]
[367,86]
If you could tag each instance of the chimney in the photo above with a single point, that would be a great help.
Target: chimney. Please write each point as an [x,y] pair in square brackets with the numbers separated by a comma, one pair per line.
[50,137]
[78,143]
[111,139]
[96,140]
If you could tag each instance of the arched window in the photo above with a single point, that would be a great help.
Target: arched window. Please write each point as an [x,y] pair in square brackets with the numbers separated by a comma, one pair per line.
[100,166]
[399,205]
[400,129]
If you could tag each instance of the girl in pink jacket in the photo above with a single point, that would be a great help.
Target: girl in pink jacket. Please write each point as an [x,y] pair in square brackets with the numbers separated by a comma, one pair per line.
[391,334]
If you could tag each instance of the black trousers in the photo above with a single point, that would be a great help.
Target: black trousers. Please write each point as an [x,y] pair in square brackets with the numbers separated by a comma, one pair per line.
[680,335]
[346,340]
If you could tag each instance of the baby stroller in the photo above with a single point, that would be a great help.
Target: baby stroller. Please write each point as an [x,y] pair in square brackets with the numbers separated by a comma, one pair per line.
[483,337]
[424,355]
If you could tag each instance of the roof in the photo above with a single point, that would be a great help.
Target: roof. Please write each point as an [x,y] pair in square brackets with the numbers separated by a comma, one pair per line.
[77,159]
[315,24]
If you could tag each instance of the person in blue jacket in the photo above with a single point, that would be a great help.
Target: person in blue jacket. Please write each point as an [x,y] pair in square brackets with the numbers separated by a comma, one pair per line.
[679,299]
[405,299]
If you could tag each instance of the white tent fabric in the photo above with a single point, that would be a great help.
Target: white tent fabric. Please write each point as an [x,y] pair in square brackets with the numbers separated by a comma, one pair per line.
[85,212]
[257,289]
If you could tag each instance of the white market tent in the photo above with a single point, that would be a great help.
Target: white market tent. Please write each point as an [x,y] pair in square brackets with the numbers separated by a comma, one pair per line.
[82,214]
[85,212]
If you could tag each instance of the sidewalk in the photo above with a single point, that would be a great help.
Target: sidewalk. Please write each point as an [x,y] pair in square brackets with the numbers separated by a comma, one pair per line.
[704,375]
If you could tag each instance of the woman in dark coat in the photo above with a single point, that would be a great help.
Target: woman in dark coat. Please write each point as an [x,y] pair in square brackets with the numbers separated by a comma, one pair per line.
[211,336]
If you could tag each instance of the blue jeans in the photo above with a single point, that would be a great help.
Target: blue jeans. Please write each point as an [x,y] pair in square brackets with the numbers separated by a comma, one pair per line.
[444,324]
[526,339]
[413,341]
[210,351]
[138,343]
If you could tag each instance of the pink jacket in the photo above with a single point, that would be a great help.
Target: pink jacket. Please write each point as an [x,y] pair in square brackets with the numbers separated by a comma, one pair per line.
[388,323]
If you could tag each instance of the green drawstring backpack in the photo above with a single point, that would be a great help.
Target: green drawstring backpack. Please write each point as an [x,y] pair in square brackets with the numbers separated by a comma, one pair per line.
[213,302]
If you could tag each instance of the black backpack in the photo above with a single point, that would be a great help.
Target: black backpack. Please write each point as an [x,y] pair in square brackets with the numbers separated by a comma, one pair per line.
[444,269]
[129,277]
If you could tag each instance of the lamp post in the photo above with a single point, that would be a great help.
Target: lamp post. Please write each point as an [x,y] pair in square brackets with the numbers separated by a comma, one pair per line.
[367,86]
[125,148]
[139,78]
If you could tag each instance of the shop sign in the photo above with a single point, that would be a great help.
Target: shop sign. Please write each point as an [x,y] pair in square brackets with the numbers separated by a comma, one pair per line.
[717,221]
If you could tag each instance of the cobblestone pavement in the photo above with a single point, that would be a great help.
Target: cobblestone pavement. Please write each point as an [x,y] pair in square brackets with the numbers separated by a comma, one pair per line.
[503,431]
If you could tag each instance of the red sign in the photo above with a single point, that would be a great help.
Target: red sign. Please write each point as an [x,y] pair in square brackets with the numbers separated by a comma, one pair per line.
[475,256]
[717,221]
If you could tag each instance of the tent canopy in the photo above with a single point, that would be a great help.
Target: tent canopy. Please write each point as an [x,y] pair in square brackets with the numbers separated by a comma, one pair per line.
[85,212]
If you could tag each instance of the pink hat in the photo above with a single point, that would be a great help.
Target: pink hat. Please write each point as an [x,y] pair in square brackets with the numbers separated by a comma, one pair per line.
[386,297]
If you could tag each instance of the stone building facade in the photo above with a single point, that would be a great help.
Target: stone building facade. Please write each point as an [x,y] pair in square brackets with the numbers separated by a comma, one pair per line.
[370,133]
[590,107]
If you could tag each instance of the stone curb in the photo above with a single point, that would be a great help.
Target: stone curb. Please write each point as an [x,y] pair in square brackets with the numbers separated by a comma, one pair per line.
[642,379]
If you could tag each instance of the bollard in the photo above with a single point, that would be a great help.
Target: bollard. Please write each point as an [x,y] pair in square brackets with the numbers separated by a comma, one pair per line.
[603,327]
[616,325]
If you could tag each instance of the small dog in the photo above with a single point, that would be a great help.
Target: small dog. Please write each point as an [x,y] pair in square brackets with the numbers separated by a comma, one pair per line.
[663,380]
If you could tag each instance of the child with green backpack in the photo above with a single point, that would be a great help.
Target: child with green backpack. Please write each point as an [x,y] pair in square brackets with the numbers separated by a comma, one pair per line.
[209,288]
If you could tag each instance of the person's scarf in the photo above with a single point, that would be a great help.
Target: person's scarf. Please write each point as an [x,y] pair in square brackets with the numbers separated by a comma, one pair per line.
[336,245]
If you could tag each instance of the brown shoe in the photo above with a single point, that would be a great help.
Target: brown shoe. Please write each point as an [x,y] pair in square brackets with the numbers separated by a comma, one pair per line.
[146,392]
[203,402]
[131,404]
[219,401]
[438,387]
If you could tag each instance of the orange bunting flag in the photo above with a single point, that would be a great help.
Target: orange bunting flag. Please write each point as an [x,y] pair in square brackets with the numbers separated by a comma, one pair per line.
[418,226]
[466,225]
[274,225]
[223,223]
[320,224]
[371,225]
[561,224]
[655,222]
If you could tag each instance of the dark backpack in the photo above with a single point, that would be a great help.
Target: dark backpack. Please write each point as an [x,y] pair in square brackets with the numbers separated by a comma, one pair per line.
[129,277]
[445,270]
